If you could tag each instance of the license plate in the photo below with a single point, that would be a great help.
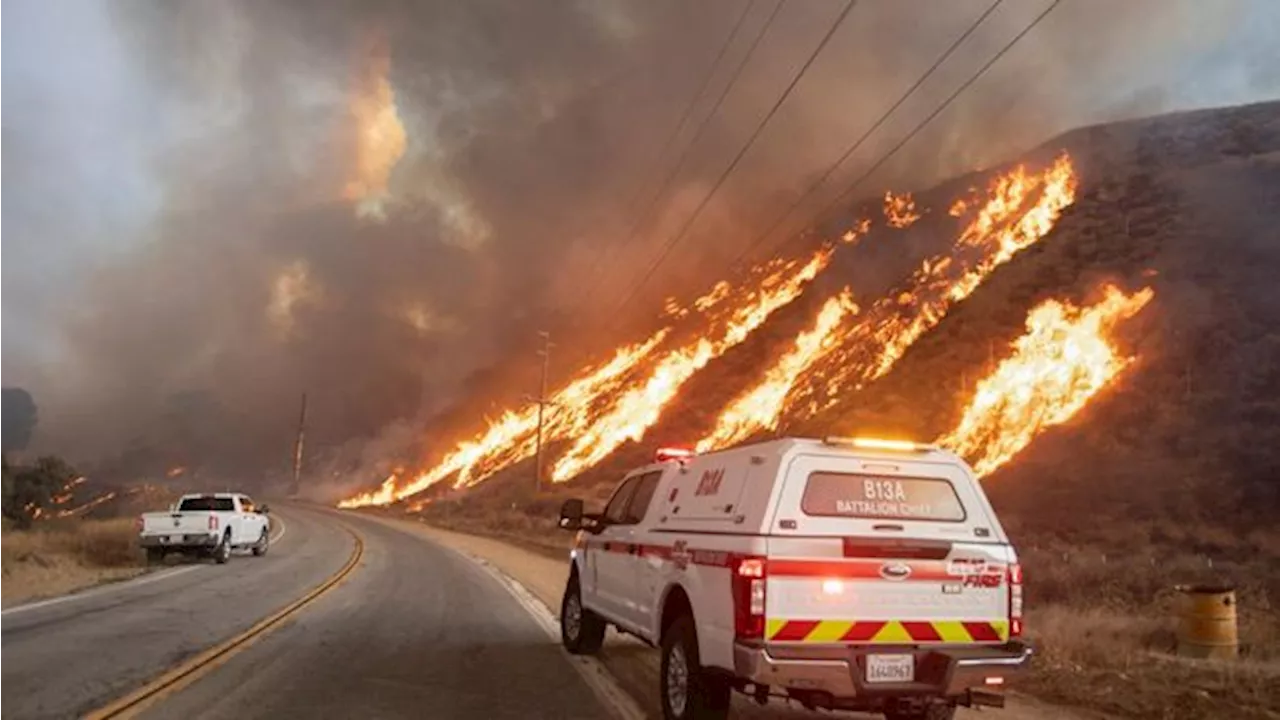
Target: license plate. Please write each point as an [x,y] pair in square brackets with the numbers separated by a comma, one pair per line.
[899,668]
[175,539]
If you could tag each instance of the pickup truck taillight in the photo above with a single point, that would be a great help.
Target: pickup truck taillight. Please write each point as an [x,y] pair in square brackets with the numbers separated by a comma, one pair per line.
[1015,600]
[748,598]
[213,522]
[140,523]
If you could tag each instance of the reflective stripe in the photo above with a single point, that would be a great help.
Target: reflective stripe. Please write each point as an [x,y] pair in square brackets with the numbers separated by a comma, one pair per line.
[886,632]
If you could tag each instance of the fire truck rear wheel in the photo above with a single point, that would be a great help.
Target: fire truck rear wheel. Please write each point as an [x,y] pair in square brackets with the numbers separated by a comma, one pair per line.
[688,691]
[581,630]
[934,711]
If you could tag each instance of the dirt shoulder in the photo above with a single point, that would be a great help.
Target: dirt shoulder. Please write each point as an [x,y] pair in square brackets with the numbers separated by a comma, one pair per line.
[633,664]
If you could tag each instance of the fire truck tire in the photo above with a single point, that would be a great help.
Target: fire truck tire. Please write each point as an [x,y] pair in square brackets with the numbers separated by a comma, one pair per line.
[581,631]
[688,691]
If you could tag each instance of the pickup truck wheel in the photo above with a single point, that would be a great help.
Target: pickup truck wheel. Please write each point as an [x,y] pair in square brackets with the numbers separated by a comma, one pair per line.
[222,553]
[688,691]
[264,541]
[581,631]
[155,555]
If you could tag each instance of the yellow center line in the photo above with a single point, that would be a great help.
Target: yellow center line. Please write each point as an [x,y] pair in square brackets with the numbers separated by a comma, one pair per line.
[197,667]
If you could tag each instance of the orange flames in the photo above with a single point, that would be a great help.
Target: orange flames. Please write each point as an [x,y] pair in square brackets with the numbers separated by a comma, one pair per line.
[607,404]
[958,208]
[510,438]
[380,136]
[1062,361]
[639,408]
[900,210]
[85,508]
[868,348]
[758,408]
[855,233]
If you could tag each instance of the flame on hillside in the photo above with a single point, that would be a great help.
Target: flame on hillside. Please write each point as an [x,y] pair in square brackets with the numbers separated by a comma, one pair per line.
[380,136]
[86,507]
[510,438]
[900,210]
[636,410]
[857,232]
[758,408]
[1062,361]
[586,406]
[868,349]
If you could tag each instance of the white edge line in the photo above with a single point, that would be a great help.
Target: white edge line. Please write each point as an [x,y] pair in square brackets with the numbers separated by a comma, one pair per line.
[113,587]
[283,529]
[593,671]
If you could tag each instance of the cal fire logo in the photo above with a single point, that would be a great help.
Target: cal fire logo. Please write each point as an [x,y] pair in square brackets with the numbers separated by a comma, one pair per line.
[709,484]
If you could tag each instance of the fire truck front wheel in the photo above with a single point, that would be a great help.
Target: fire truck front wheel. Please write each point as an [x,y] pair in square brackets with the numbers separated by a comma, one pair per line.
[581,630]
[689,692]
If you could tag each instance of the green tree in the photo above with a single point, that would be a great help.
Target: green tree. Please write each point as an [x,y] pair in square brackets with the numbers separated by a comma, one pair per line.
[28,491]
[19,418]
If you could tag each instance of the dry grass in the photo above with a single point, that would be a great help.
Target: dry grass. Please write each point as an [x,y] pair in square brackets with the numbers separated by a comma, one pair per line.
[1120,662]
[61,557]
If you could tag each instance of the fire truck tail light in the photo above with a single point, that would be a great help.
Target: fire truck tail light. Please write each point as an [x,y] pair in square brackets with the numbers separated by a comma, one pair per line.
[749,596]
[1015,600]
[751,568]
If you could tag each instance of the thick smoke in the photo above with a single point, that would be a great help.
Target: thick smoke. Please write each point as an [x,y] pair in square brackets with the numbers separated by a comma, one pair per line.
[532,135]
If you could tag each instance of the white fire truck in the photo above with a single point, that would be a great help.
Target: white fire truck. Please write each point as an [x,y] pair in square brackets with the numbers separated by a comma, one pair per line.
[854,574]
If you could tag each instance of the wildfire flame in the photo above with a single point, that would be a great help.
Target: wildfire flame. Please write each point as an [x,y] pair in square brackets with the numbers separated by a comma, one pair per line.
[869,348]
[82,509]
[958,208]
[855,233]
[510,438]
[380,136]
[758,408]
[900,210]
[640,407]
[1062,361]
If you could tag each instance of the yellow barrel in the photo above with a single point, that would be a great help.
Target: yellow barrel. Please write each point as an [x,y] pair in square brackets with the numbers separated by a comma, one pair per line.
[1207,622]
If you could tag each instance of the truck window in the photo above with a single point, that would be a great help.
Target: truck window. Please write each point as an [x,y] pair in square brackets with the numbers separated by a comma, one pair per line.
[640,502]
[206,503]
[831,494]
[246,504]
[616,511]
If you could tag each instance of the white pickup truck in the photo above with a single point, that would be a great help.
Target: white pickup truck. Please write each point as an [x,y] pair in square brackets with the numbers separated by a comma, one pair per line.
[209,525]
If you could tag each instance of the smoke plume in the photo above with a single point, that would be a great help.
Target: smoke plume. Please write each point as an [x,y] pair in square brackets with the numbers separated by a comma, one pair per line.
[380,203]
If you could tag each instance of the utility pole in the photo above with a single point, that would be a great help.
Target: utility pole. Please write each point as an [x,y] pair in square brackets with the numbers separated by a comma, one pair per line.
[297,447]
[542,401]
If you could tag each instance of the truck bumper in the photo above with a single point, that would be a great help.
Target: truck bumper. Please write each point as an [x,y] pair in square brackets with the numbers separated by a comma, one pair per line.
[187,541]
[840,671]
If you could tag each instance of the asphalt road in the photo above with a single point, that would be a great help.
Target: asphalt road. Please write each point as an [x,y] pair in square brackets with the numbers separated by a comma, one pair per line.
[69,656]
[415,631]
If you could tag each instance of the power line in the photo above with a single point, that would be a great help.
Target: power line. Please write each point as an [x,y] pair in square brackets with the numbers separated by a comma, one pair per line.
[641,219]
[675,240]
[938,111]
[849,151]
[688,112]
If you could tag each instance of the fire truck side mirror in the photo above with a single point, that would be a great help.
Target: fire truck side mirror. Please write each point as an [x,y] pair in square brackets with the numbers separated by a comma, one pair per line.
[571,514]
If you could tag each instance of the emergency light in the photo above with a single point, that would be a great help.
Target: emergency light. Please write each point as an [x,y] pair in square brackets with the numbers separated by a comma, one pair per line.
[868,443]
[673,453]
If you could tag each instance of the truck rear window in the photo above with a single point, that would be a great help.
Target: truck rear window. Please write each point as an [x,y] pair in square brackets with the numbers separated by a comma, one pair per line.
[206,503]
[877,497]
